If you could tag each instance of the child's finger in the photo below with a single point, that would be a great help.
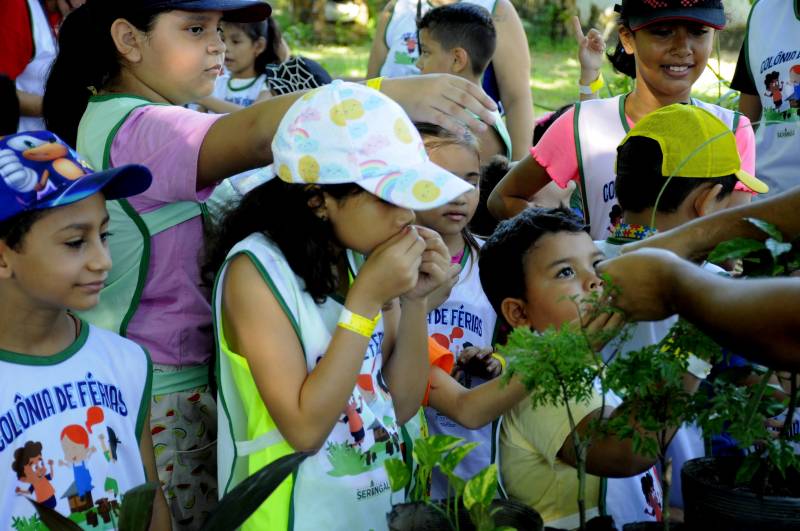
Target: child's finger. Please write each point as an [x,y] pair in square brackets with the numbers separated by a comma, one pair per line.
[577,29]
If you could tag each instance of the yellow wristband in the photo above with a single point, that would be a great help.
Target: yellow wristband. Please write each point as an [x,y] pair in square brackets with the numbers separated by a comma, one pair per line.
[594,86]
[375,83]
[501,359]
[358,324]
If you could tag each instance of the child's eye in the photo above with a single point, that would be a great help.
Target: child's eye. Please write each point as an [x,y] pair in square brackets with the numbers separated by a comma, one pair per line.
[75,244]
[196,30]
[566,272]
[104,236]
[697,32]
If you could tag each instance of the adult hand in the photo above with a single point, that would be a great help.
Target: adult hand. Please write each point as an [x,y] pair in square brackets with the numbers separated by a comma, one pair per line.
[645,281]
[478,362]
[442,99]
[591,51]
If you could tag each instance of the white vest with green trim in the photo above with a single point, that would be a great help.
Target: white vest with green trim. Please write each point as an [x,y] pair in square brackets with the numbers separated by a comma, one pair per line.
[401,36]
[600,125]
[772,48]
[465,319]
[344,485]
[130,246]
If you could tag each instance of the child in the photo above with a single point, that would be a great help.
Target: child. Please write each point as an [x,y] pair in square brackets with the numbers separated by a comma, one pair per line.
[460,39]
[465,322]
[150,57]
[307,360]
[530,269]
[699,151]
[665,46]
[64,382]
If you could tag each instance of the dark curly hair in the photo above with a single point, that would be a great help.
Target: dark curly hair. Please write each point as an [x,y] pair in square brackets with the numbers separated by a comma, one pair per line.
[502,261]
[23,455]
[306,241]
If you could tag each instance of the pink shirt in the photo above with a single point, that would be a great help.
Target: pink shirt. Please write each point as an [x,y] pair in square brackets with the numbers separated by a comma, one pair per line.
[555,152]
[173,320]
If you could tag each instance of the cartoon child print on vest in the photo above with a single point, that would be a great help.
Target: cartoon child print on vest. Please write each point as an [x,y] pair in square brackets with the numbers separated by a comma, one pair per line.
[651,496]
[794,80]
[30,468]
[75,444]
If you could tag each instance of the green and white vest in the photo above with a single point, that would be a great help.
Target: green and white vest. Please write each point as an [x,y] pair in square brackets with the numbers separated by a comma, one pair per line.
[772,51]
[600,125]
[344,485]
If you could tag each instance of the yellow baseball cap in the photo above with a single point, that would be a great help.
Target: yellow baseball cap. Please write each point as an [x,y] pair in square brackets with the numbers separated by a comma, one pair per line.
[694,143]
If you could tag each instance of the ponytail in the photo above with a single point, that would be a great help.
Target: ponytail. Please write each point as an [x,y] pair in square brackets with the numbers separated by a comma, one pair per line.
[87,61]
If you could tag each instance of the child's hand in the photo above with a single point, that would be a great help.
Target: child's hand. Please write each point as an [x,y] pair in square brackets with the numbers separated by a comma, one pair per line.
[591,51]
[601,326]
[391,270]
[437,297]
[434,269]
[477,362]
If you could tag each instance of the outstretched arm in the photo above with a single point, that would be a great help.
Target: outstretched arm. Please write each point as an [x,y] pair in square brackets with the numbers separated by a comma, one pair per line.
[696,239]
[759,318]
[514,192]
[242,140]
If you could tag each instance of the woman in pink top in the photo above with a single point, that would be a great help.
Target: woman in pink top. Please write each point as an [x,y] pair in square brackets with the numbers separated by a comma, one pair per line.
[140,62]
[665,47]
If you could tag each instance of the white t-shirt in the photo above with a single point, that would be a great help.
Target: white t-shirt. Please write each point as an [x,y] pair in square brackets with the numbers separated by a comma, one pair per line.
[244,91]
[70,426]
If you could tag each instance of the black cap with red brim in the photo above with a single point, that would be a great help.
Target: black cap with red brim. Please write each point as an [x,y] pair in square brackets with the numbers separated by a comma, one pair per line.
[234,10]
[642,13]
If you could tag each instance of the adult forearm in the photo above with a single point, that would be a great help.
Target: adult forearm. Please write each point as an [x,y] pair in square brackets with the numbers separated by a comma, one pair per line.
[520,122]
[759,318]
[407,368]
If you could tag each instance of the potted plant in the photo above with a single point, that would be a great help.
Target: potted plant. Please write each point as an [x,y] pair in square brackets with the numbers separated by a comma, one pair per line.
[760,490]
[651,380]
[472,504]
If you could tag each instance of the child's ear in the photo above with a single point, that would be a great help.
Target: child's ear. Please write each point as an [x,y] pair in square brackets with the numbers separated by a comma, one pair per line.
[259,45]
[127,39]
[5,265]
[708,200]
[513,311]
[460,60]
[627,40]
[318,204]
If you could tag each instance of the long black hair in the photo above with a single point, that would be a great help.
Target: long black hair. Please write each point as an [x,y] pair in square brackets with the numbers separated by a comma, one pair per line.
[282,212]
[87,60]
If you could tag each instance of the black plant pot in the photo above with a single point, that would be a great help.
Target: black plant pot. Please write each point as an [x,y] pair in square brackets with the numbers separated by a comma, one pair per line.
[423,517]
[712,501]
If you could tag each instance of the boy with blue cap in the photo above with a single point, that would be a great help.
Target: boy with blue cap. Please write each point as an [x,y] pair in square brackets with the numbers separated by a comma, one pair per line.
[67,388]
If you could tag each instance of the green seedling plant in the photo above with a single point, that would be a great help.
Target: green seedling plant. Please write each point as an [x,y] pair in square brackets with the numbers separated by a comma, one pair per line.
[563,366]
[651,380]
[744,411]
[445,452]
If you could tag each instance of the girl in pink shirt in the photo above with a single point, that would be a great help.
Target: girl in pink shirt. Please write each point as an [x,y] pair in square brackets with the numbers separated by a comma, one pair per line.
[665,49]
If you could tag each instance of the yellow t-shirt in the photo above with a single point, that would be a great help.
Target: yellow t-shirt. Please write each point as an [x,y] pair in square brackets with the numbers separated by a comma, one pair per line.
[530,440]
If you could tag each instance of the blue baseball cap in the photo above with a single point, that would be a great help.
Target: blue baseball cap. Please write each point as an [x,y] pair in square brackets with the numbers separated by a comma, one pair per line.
[234,10]
[38,170]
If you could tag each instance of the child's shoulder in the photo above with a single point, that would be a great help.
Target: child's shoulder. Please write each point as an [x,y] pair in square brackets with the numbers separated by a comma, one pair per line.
[105,340]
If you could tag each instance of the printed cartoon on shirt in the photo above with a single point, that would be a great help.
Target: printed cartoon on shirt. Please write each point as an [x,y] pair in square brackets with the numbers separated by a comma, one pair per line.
[62,452]
[409,55]
[366,433]
[782,93]
[652,496]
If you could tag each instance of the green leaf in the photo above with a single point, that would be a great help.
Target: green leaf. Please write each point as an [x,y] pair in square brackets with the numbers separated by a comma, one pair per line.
[748,469]
[53,520]
[399,475]
[734,249]
[777,248]
[137,507]
[481,488]
[764,226]
[450,461]
[237,506]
